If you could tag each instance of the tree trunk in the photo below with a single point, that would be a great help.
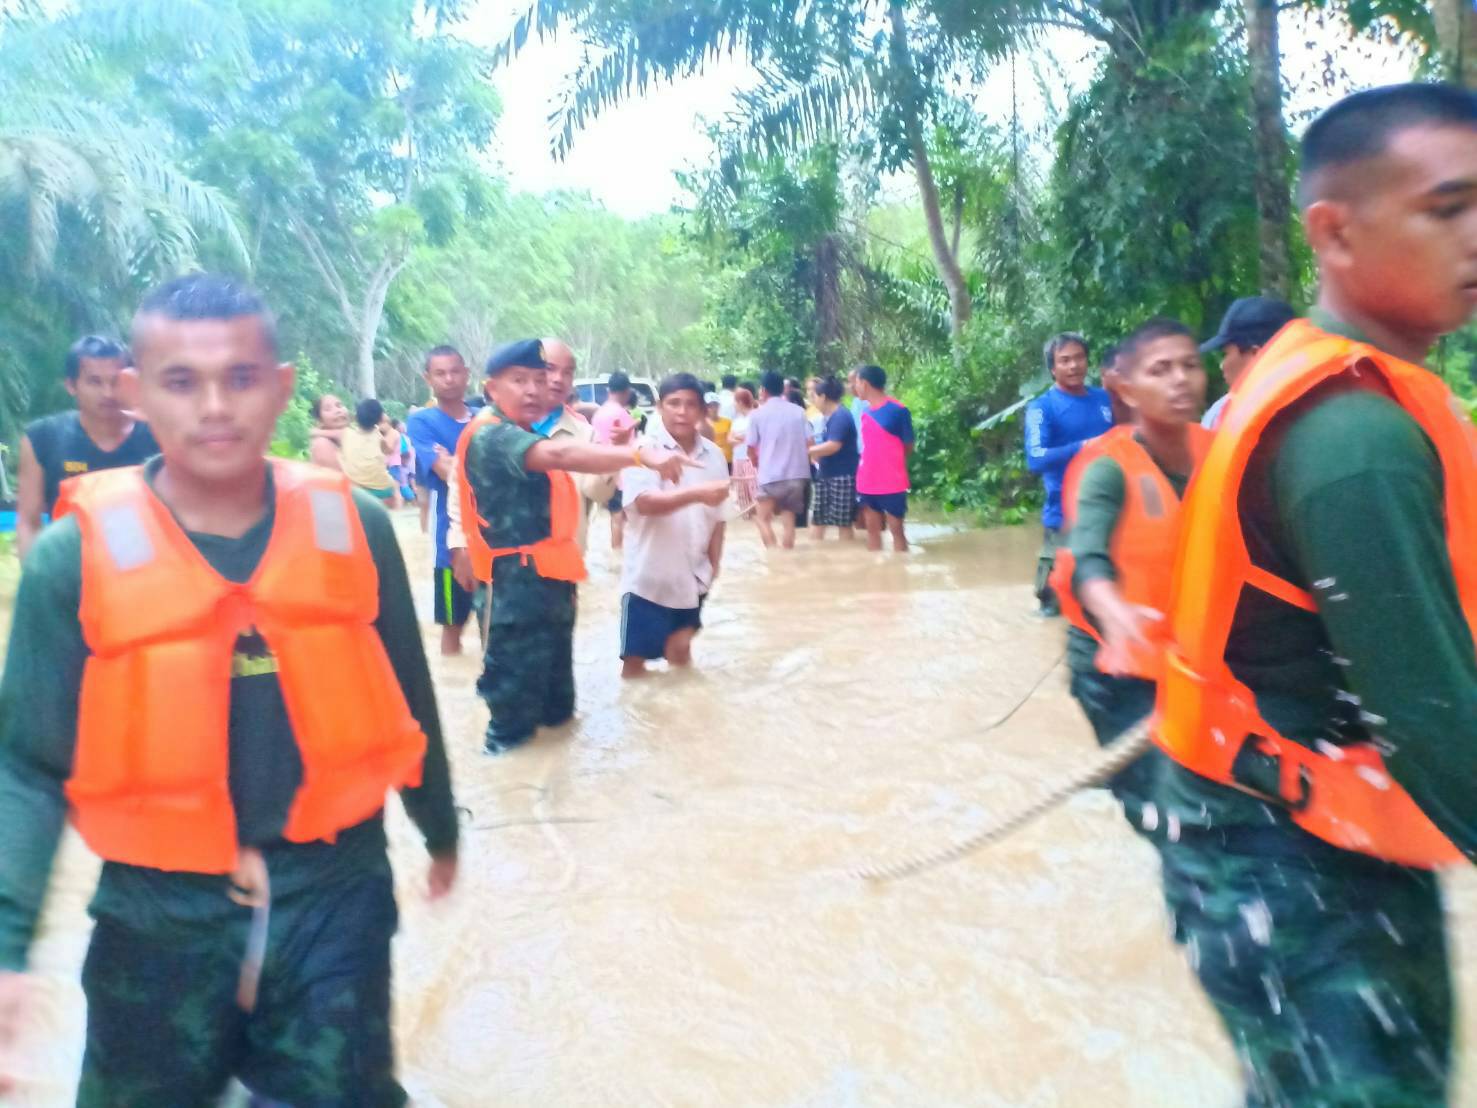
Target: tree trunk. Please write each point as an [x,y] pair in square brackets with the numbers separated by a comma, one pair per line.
[1456,38]
[960,306]
[828,305]
[1269,139]
[369,321]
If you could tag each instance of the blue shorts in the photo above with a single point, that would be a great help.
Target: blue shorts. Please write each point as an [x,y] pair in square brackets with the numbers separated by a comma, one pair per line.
[645,627]
[894,504]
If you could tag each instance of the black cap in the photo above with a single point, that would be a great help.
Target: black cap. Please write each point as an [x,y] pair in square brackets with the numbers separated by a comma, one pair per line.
[525,353]
[1251,321]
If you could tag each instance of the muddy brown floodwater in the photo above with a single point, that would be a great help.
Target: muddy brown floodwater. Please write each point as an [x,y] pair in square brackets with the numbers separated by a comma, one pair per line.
[655,908]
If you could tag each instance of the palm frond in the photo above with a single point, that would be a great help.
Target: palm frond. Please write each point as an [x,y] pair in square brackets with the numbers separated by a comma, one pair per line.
[784,117]
[70,42]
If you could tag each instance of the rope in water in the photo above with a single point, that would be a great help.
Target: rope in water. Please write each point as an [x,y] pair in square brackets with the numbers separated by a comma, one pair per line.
[1114,757]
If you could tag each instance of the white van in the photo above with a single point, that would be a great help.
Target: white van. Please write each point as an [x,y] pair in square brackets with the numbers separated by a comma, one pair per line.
[592,390]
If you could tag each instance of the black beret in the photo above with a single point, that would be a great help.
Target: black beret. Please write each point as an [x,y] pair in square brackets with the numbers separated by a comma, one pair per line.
[527,353]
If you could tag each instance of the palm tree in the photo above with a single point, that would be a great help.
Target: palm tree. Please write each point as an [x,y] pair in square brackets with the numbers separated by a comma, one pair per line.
[91,205]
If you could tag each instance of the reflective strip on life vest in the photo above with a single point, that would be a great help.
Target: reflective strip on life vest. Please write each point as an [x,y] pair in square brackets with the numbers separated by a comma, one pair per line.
[126,537]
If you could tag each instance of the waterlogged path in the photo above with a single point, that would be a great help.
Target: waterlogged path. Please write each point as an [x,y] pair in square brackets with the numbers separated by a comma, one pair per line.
[655,906]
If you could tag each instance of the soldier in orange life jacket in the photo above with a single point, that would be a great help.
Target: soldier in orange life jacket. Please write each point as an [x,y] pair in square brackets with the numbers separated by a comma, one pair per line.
[1121,501]
[1319,695]
[521,513]
[215,674]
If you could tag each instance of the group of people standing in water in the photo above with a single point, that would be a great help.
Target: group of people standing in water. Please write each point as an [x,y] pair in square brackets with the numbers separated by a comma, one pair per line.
[215,670]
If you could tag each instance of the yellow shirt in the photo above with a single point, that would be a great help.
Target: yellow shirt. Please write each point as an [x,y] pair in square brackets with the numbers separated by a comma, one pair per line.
[363,458]
[721,427]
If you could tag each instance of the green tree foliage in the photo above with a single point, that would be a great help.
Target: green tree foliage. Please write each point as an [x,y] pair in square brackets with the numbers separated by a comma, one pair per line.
[94,207]
[349,137]
[1149,213]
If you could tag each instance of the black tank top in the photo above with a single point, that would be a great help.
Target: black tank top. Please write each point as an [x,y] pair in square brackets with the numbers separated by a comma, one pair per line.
[64,450]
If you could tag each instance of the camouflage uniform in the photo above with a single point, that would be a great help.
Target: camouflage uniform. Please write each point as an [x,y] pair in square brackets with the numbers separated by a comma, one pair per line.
[528,672]
[165,1030]
[1328,969]
[1113,705]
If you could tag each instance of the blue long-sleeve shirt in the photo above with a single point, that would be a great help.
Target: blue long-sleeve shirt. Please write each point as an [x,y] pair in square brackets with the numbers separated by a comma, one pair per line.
[1057,424]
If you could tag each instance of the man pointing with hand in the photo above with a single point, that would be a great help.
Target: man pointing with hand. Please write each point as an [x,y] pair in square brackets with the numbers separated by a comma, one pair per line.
[520,510]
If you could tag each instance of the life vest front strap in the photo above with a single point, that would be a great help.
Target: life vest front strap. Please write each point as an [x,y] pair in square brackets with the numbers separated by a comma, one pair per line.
[1342,794]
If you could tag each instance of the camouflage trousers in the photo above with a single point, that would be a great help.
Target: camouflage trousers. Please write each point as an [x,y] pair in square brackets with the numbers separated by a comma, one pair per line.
[1328,969]
[1113,705]
[527,678]
[164,1029]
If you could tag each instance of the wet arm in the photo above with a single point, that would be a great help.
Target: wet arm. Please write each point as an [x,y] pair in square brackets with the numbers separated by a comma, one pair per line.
[1040,458]
[30,491]
[430,804]
[715,547]
[663,502]
[38,729]
[1374,549]
[578,457]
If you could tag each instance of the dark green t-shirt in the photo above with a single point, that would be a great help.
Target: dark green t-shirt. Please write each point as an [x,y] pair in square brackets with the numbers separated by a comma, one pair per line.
[64,449]
[1344,497]
[38,726]
[1100,496]
[515,505]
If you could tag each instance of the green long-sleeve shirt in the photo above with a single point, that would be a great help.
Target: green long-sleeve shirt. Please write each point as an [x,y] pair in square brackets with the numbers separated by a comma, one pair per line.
[1344,497]
[1100,496]
[38,729]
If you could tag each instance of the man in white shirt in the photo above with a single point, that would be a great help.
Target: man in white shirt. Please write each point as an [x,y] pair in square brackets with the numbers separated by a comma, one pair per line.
[727,409]
[674,535]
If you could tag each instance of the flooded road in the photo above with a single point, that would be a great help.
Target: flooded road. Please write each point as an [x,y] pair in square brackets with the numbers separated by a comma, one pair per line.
[655,908]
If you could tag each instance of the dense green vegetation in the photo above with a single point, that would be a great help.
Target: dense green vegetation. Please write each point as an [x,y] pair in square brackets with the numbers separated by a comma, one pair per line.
[860,206]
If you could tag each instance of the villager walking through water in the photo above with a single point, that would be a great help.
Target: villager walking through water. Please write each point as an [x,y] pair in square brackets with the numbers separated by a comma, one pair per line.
[1057,424]
[434,432]
[674,535]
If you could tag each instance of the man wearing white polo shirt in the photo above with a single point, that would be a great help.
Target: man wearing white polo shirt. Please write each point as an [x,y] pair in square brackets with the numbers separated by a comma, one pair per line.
[674,535]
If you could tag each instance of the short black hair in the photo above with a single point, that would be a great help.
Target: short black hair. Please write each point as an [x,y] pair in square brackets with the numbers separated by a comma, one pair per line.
[677,382]
[91,346]
[441,351]
[751,387]
[199,296]
[618,382]
[368,412]
[773,382]
[873,375]
[1156,327]
[830,387]
[1360,127]
[794,396]
[730,381]
[1109,355]
[1060,340]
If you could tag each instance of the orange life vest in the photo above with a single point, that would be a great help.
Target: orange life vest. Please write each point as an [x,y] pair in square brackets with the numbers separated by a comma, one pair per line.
[150,777]
[1206,718]
[1144,539]
[557,557]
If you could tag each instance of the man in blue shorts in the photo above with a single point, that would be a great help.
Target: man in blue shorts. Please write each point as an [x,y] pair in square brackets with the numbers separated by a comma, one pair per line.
[882,473]
[434,432]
